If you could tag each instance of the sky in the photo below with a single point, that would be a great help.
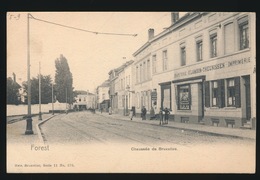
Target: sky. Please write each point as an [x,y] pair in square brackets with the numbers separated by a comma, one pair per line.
[90,56]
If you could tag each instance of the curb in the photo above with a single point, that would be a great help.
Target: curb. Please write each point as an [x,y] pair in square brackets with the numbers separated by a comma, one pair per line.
[193,130]
[40,134]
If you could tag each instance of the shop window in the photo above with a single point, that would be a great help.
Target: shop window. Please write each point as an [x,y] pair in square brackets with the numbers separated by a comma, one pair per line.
[233,92]
[213,45]
[244,36]
[184,97]
[214,93]
[199,50]
[217,93]
[183,56]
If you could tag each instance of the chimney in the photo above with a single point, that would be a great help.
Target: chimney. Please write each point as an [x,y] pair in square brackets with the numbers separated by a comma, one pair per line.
[14,77]
[175,17]
[150,33]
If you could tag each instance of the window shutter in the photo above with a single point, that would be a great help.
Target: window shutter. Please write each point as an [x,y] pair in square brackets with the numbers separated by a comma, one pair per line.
[237,92]
[207,95]
[221,93]
[190,95]
[177,96]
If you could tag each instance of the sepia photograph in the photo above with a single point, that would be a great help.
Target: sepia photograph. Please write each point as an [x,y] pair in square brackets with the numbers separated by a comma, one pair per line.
[130,92]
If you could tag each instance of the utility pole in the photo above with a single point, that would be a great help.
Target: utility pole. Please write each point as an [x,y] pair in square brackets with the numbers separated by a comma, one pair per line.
[40,96]
[52,98]
[29,116]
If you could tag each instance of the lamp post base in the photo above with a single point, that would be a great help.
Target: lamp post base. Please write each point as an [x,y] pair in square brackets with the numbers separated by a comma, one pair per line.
[40,116]
[28,126]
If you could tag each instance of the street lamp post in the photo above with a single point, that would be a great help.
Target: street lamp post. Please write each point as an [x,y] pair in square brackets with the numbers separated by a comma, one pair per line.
[29,116]
[40,93]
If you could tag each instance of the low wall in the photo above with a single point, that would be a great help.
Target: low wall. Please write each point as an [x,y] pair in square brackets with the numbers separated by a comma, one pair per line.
[22,109]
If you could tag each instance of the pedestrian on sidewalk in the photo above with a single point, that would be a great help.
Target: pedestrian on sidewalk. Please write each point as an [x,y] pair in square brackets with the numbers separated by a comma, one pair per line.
[161,116]
[166,115]
[152,113]
[110,110]
[143,113]
[131,113]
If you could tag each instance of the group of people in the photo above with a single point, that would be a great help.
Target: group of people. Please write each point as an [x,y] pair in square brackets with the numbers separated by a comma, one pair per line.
[163,114]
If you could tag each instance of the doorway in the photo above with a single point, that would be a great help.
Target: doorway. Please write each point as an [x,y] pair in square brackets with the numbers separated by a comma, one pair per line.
[248,97]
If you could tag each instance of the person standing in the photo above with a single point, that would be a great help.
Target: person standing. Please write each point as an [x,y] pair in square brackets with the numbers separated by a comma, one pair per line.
[166,116]
[161,116]
[143,113]
[152,113]
[110,110]
[132,113]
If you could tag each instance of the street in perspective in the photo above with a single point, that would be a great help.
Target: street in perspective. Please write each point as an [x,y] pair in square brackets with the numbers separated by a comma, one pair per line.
[168,92]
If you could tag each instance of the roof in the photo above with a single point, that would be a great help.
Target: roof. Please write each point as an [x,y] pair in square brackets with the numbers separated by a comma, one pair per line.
[82,92]
[184,19]
[106,83]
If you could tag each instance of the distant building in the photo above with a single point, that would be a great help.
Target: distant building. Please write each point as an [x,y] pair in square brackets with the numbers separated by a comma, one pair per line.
[120,88]
[84,100]
[102,96]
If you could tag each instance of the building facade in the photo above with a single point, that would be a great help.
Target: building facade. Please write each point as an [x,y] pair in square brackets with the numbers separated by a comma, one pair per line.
[120,88]
[201,68]
[102,96]
[84,100]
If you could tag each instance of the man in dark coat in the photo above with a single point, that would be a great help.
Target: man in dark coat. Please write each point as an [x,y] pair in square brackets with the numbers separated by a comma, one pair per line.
[166,116]
[143,113]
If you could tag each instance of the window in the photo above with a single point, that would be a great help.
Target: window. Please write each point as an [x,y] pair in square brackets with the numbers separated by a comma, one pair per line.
[215,93]
[144,71]
[141,73]
[148,69]
[184,97]
[154,64]
[231,99]
[137,72]
[183,56]
[244,37]
[213,46]
[165,61]
[199,51]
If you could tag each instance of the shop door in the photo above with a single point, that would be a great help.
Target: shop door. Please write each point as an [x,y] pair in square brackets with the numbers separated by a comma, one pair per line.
[201,101]
[248,97]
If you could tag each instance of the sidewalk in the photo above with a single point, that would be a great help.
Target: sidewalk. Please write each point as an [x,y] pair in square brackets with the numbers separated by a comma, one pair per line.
[212,130]
[15,132]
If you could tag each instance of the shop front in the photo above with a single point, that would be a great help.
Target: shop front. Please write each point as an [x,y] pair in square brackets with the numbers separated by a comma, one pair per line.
[215,92]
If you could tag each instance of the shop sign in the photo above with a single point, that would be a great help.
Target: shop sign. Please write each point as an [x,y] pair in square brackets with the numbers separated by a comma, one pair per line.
[213,67]
[154,96]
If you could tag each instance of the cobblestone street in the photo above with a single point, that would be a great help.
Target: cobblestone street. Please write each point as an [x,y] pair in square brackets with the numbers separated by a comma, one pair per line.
[84,127]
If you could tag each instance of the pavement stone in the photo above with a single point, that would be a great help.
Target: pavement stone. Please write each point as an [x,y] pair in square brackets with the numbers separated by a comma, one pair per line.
[220,131]
[15,132]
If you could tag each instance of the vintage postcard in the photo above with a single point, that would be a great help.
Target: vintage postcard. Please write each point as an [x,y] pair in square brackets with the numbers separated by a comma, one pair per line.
[131,92]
